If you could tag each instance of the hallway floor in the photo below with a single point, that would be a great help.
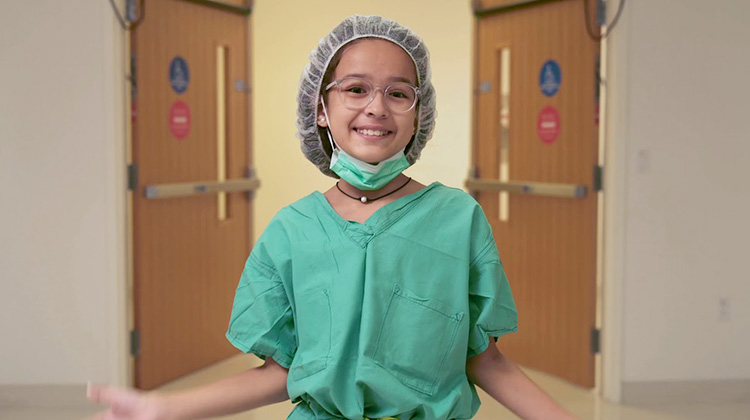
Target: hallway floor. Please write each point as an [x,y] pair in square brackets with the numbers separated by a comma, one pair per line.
[583,404]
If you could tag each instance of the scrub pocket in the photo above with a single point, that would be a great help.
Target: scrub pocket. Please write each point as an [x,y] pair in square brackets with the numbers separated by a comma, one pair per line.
[314,332]
[430,327]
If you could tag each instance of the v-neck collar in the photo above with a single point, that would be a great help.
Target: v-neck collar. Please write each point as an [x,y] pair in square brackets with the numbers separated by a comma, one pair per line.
[382,218]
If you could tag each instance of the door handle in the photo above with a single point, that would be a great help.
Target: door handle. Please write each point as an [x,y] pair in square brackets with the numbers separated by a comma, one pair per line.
[528,188]
[187,189]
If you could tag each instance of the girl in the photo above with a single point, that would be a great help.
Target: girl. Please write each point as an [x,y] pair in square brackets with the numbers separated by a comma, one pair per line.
[379,298]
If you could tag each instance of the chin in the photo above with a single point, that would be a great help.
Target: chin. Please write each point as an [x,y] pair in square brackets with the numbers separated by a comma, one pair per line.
[366,154]
[373,160]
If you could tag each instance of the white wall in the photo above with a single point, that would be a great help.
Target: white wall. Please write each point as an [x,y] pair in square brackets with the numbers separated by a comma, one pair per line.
[681,113]
[61,187]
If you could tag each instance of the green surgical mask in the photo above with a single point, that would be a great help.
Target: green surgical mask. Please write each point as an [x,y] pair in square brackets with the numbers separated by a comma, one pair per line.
[366,176]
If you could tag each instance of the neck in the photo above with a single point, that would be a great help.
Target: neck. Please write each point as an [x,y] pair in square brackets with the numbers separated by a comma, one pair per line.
[391,186]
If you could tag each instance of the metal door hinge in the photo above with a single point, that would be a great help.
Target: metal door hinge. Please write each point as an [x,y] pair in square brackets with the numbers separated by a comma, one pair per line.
[135,343]
[485,87]
[595,341]
[131,13]
[241,86]
[132,177]
[601,12]
[598,175]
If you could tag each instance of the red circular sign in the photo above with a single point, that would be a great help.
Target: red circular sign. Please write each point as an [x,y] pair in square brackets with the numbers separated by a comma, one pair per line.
[548,125]
[179,119]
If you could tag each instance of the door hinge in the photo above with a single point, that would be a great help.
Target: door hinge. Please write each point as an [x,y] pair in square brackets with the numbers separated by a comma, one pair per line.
[131,13]
[601,13]
[595,340]
[485,87]
[135,343]
[132,177]
[598,175]
[241,86]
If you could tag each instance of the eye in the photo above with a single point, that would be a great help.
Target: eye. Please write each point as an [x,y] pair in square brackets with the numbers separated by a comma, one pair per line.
[355,87]
[399,94]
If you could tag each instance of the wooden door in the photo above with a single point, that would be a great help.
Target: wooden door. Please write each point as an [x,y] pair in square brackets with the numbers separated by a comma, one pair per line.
[190,134]
[536,133]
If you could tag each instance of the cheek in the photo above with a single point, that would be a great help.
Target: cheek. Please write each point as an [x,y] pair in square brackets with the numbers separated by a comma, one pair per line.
[411,123]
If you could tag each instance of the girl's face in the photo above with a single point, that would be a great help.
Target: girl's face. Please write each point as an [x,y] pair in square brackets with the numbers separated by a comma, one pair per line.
[373,133]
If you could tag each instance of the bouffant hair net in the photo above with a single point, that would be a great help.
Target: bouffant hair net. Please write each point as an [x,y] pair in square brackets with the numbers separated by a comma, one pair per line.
[353,28]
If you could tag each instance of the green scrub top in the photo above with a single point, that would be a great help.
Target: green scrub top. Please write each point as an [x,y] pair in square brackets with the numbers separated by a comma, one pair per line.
[375,319]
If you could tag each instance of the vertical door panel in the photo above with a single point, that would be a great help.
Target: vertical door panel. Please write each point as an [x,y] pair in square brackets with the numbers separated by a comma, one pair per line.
[547,244]
[187,258]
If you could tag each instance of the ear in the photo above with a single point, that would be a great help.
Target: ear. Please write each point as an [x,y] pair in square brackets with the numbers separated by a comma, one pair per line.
[321,117]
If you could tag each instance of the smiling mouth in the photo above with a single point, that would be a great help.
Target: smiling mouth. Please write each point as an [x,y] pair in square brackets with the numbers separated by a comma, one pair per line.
[377,133]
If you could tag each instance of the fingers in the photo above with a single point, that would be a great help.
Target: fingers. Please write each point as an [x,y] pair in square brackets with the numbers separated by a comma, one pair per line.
[94,393]
[123,403]
[110,395]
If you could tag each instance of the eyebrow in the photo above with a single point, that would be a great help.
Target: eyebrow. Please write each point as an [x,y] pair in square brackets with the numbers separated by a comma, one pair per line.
[391,79]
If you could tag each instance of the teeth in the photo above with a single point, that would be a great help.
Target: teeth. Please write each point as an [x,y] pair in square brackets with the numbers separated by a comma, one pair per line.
[372,132]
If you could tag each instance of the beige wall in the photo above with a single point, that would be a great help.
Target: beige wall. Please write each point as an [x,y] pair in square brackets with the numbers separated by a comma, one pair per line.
[62,201]
[285,33]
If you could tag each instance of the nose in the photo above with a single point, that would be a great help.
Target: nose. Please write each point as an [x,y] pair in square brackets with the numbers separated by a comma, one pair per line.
[377,107]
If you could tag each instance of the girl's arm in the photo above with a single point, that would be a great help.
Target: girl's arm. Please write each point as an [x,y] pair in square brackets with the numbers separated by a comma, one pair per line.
[247,390]
[504,381]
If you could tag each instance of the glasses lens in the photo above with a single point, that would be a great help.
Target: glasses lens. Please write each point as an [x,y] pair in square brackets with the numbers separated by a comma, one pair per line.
[400,97]
[355,93]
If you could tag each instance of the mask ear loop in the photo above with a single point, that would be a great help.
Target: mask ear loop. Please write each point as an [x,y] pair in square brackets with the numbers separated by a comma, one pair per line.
[328,126]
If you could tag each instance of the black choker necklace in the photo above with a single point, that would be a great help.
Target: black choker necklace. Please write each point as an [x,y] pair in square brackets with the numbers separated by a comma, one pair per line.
[368,200]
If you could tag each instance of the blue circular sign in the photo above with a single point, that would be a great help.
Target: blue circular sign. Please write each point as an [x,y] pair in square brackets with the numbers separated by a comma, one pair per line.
[179,74]
[550,78]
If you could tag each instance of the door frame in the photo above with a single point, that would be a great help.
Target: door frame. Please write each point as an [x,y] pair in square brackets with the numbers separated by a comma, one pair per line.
[123,293]
[611,216]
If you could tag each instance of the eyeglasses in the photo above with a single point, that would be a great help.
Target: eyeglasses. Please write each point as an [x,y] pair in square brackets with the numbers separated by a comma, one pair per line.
[356,93]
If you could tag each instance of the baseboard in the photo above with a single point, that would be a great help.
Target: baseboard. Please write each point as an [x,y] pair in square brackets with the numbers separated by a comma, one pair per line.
[686,392]
[45,396]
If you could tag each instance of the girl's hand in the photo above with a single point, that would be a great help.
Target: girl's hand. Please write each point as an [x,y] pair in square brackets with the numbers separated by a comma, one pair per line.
[126,404]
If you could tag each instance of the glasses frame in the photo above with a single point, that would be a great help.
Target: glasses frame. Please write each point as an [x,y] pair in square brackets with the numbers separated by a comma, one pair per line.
[337,84]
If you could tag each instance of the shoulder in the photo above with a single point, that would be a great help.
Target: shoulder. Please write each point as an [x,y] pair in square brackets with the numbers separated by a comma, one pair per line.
[297,212]
[277,236]
[444,196]
[465,210]
[455,202]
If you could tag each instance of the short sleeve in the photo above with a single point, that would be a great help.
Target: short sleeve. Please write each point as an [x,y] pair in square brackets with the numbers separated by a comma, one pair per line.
[491,307]
[261,320]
